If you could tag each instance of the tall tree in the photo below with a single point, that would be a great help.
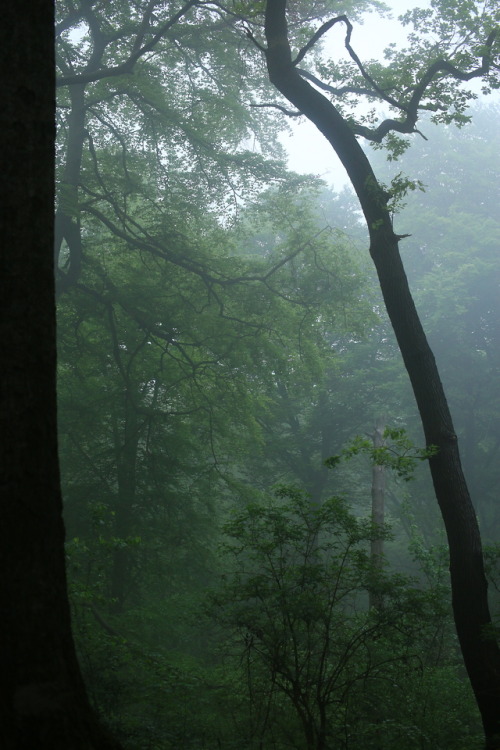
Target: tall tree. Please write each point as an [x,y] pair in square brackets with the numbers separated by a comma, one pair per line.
[43,702]
[151,107]
[454,270]
[434,85]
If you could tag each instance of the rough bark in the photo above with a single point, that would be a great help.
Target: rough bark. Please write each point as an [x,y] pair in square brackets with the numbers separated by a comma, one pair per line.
[43,704]
[469,587]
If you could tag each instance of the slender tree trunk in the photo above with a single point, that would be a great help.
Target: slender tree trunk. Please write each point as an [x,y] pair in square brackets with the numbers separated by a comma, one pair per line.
[43,705]
[469,587]
[126,447]
[67,226]
[378,511]
[311,477]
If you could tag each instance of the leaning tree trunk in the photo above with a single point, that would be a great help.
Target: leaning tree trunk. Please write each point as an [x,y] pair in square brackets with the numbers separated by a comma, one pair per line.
[43,705]
[469,587]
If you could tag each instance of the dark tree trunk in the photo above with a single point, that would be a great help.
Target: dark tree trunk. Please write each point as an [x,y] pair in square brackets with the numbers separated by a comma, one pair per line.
[469,588]
[43,705]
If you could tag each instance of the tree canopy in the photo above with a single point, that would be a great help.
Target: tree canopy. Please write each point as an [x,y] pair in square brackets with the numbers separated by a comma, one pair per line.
[225,358]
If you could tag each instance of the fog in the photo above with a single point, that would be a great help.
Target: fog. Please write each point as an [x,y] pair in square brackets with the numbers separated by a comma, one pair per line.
[277,379]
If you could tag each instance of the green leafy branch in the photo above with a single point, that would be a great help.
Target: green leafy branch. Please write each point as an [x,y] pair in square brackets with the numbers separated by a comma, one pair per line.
[399,453]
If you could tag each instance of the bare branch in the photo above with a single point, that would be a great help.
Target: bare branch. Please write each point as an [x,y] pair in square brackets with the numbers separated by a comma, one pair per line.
[386,97]
[249,34]
[335,91]
[312,41]
[355,90]
[288,112]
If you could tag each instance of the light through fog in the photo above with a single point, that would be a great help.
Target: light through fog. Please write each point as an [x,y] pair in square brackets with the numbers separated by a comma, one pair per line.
[308,151]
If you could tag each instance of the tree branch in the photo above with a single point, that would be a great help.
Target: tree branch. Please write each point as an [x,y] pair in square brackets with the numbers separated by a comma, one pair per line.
[315,38]
[406,125]
[349,28]
[288,112]
[331,89]
[128,66]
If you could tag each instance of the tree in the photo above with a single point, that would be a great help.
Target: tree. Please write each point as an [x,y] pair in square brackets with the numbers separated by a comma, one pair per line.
[299,574]
[149,186]
[460,307]
[434,86]
[139,89]
[318,667]
[189,384]
[43,701]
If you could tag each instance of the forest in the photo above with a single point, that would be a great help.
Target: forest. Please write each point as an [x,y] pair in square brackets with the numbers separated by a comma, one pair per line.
[267,388]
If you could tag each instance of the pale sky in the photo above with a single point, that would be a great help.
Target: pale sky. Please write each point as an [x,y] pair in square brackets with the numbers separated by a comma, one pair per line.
[308,150]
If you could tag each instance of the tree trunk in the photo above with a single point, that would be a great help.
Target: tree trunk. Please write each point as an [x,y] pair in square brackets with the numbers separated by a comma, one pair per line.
[469,587]
[67,226]
[43,705]
[378,512]
[126,446]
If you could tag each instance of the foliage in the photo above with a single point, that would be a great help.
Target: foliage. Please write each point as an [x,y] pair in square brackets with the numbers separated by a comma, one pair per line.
[424,76]
[400,454]
[480,648]
[320,669]
[217,334]
[452,262]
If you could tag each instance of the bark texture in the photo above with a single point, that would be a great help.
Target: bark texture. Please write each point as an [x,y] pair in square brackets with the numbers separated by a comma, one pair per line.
[43,705]
[469,587]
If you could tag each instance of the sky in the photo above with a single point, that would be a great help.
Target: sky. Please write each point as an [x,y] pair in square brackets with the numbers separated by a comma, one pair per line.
[308,151]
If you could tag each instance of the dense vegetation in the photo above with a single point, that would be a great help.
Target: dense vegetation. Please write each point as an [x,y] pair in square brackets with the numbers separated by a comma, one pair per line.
[253,561]
[208,447]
